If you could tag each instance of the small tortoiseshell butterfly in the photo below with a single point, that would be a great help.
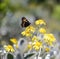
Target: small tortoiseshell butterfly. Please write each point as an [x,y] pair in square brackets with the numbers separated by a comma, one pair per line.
[25,22]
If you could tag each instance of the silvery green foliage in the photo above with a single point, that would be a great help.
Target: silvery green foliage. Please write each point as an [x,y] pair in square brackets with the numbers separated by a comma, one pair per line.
[57,56]
[18,55]
[47,56]
[38,58]
[2,53]
[22,44]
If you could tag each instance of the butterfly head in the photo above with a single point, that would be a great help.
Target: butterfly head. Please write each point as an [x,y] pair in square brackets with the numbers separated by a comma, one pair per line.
[24,19]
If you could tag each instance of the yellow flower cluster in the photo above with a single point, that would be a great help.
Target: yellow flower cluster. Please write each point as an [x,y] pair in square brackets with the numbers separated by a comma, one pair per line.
[49,39]
[37,45]
[9,48]
[39,22]
[33,33]
[28,31]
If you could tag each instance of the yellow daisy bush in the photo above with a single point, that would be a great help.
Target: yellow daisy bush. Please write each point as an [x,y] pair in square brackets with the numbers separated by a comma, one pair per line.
[39,38]
[40,21]
[36,44]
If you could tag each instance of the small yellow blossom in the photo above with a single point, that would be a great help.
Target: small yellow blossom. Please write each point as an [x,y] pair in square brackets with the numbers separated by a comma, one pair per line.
[26,33]
[42,30]
[34,38]
[47,49]
[49,38]
[36,48]
[30,29]
[23,33]
[37,45]
[14,40]
[29,46]
[40,21]
[9,48]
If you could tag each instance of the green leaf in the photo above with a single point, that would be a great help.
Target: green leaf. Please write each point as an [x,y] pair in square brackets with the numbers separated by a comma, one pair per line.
[9,56]
[29,55]
[56,13]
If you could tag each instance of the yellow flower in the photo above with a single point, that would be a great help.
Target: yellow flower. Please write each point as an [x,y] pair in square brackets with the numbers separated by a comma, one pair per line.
[9,48]
[29,46]
[42,30]
[14,40]
[47,49]
[37,45]
[40,21]
[30,29]
[36,48]
[26,33]
[49,39]
[23,33]
[34,38]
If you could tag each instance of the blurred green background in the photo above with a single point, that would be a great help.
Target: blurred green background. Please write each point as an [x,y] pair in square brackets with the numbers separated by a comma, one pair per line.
[11,12]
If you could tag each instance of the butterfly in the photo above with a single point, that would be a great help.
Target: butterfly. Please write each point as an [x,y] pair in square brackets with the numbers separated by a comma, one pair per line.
[25,22]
